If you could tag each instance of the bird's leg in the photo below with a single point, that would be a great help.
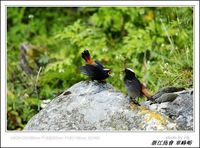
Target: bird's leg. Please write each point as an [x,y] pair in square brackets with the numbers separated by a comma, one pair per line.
[134,101]
[102,81]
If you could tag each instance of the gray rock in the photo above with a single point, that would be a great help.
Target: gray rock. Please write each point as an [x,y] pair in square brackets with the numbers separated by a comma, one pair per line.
[90,105]
[178,106]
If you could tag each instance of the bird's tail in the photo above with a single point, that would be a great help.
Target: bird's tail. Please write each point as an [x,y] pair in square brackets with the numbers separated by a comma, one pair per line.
[145,92]
[86,56]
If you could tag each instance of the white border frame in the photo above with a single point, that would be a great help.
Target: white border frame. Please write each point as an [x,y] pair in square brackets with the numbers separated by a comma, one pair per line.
[55,139]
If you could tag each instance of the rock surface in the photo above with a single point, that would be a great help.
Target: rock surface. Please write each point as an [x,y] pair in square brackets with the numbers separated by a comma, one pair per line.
[90,105]
[176,105]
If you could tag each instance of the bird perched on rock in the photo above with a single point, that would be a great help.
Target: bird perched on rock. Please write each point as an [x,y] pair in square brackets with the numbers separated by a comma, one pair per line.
[134,87]
[94,69]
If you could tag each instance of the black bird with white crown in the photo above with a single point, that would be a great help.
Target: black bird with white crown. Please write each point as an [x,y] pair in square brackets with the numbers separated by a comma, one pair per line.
[134,87]
[94,69]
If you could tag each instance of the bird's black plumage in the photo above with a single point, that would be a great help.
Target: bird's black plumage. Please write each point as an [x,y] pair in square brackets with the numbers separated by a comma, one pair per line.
[134,87]
[132,84]
[94,70]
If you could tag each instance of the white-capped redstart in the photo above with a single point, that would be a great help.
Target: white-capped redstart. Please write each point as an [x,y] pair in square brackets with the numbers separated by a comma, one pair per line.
[94,69]
[134,87]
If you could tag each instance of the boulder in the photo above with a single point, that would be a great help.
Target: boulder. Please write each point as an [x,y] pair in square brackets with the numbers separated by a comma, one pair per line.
[176,105]
[95,106]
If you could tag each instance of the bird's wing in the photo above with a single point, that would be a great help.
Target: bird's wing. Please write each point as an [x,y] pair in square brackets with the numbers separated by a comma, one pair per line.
[90,70]
[99,64]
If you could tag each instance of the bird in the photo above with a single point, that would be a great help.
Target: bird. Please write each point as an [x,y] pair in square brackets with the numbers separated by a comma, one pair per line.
[134,87]
[94,69]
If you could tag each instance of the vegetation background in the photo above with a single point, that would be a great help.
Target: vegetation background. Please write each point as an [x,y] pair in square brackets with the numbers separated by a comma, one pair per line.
[44,47]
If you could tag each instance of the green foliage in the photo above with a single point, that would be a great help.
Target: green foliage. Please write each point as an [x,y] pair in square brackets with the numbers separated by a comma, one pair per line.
[157,43]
